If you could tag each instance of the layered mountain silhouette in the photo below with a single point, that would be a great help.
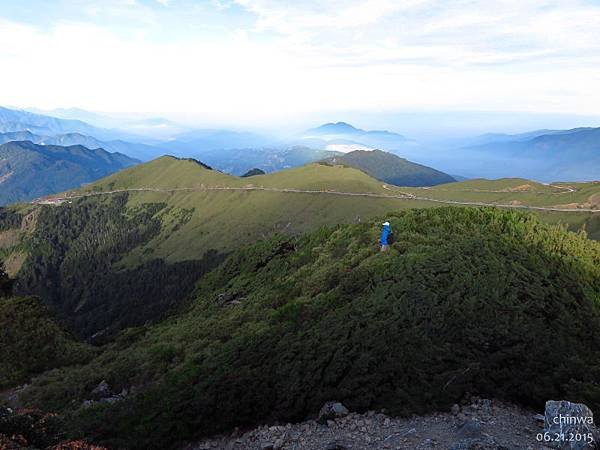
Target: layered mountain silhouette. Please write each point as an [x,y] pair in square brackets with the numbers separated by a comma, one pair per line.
[18,120]
[238,161]
[135,150]
[342,136]
[198,141]
[28,170]
[572,155]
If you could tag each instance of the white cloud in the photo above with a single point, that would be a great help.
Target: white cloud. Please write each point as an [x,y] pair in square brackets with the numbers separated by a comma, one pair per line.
[299,57]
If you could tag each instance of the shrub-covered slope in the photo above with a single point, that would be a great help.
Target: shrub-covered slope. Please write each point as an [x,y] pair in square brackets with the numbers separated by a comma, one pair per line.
[469,300]
[31,342]
[72,264]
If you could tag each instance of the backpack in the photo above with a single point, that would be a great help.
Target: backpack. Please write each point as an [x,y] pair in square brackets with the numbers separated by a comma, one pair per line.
[390,238]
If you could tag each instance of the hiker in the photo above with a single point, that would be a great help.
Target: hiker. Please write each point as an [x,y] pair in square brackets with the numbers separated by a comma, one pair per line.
[387,237]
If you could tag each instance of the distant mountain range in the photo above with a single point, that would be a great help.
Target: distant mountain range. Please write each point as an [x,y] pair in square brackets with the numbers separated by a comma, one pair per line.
[14,120]
[18,120]
[138,151]
[42,129]
[544,155]
[392,169]
[547,155]
[28,170]
[344,137]
[237,161]
[198,141]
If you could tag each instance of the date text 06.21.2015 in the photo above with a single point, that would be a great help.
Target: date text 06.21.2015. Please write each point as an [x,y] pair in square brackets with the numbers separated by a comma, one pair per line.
[565,437]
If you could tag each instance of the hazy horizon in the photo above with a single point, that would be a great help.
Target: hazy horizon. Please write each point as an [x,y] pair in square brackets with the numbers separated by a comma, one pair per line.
[421,125]
[505,66]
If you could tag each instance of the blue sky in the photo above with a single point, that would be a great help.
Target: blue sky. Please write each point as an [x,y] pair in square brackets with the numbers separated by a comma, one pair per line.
[266,61]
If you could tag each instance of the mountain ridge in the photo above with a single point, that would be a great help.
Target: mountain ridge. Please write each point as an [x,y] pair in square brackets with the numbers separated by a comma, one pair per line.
[392,169]
[133,150]
[29,170]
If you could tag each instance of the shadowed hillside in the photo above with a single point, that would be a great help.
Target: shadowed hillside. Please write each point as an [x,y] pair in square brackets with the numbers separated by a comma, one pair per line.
[28,171]
[31,342]
[392,169]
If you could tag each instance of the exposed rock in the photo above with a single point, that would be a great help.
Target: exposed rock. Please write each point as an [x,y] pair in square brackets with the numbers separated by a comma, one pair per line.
[487,425]
[478,444]
[569,426]
[470,429]
[102,390]
[332,410]
[103,394]
[455,410]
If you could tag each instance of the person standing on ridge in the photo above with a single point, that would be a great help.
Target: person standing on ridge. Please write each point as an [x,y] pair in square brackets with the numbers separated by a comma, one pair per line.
[387,237]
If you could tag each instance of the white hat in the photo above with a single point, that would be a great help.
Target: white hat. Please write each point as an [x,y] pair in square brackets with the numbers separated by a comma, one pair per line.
[386,223]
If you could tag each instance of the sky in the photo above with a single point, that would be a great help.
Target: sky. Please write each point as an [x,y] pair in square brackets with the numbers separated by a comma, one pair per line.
[257,62]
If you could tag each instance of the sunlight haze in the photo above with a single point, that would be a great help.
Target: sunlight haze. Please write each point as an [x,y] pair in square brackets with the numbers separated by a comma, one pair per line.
[261,62]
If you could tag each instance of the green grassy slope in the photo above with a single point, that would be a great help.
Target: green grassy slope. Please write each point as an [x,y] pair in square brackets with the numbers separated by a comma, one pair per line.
[170,172]
[484,301]
[226,220]
[105,262]
[118,245]
[522,192]
[508,184]
[163,172]
[517,190]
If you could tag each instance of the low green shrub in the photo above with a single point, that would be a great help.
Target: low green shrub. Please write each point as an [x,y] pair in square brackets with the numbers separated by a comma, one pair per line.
[484,301]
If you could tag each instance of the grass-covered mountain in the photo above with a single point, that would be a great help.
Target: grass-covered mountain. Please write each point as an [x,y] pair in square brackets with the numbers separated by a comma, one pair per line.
[106,262]
[490,302]
[391,168]
[29,170]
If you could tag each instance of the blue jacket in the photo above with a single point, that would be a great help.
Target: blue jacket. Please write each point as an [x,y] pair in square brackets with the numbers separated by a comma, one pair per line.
[387,229]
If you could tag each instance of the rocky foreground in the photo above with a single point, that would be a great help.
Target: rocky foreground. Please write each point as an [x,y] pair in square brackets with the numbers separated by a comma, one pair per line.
[478,425]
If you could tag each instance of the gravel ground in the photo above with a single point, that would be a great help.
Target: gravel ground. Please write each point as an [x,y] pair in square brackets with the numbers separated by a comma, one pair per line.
[480,425]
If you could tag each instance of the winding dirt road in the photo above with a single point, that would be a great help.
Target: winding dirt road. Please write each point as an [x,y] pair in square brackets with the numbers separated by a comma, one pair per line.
[400,196]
